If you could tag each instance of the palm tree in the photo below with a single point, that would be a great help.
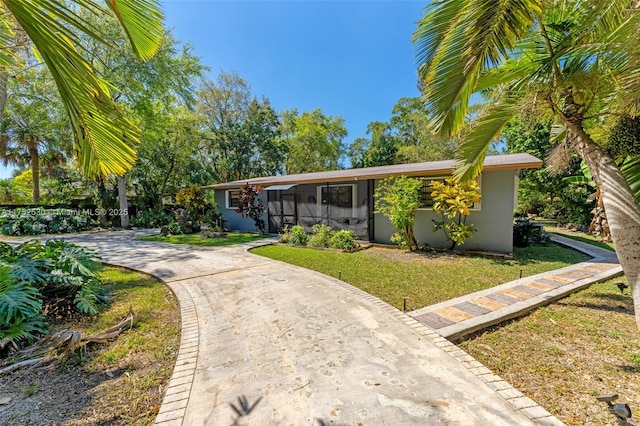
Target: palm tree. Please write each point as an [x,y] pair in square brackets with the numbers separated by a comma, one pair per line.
[104,137]
[577,62]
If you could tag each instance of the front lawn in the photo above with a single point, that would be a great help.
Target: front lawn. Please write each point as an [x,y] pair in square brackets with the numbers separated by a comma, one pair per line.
[579,236]
[565,354]
[425,279]
[197,240]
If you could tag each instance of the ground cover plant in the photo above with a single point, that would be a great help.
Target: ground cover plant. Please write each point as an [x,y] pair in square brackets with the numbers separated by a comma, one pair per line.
[197,240]
[40,221]
[424,278]
[565,354]
[44,280]
[120,383]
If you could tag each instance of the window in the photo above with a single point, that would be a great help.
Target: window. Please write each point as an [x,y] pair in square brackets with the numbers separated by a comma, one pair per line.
[426,201]
[233,198]
[338,196]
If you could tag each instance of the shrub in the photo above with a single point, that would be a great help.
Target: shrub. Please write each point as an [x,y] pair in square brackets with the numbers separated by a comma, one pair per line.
[37,279]
[151,218]
[527,233]
[321,236]
[40,221]
[214,219]
[398,199]
[175,228]
[298,236]
[285,237]
[250,206]
[344,240]
[454,200]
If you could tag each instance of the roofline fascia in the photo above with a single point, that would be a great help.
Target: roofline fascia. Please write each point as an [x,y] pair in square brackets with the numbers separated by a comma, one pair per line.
[439,172]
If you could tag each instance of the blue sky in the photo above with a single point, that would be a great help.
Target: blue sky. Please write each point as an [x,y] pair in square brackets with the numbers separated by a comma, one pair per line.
[352,59]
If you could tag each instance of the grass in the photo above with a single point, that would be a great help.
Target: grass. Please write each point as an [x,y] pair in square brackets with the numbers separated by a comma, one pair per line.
[197,240]
[146,353]
[424,279]
[579,236]
[565,354]
[119,383]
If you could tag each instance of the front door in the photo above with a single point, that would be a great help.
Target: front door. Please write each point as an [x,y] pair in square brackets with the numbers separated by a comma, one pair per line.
[288,210]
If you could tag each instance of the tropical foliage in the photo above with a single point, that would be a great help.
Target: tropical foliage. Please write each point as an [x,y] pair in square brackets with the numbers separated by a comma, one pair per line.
[575,63]
[252,207]
[104,136]
[40,221]
[39,280]
[453,201]
[406,138]
[398,199]
[322,236]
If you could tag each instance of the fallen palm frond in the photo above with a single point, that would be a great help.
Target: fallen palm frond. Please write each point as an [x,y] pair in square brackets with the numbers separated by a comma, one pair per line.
[60,346]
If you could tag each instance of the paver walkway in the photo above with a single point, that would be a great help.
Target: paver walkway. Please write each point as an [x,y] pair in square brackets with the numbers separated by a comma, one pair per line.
[307,348]
[458,317]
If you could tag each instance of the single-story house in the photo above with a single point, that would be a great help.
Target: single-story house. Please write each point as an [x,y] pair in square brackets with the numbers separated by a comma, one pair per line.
[343,199]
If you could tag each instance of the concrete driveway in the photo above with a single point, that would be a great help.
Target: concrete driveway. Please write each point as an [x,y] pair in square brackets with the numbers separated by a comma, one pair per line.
[305,348]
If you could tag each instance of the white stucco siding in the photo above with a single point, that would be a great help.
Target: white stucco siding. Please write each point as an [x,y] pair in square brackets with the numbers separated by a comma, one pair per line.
[494,221]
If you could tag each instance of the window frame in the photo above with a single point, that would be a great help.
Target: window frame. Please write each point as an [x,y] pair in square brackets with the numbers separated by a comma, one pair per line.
[228,198]
[354,198]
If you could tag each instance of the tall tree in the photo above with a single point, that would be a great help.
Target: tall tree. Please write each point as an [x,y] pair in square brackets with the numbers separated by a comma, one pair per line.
[407,138]
[313,140]
[380,150]
[151,93]
[242,134]
[103,135]
[34,130]
[570,60]
[414,134]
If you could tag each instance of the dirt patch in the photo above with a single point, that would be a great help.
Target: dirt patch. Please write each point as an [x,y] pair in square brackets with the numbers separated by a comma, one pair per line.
[397,255]
[120,383]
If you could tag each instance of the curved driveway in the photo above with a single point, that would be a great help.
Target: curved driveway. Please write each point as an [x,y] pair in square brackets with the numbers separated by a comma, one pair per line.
[306,349]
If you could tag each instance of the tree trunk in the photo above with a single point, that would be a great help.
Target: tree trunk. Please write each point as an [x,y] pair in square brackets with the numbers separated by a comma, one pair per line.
[32,145]
[621,207]
[124,204]
[3,93]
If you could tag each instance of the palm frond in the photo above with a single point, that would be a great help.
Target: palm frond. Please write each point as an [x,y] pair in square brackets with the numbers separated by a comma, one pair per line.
[630,168]
[7,34]
[456,41]
[142,21]
[473,149]
[104,137]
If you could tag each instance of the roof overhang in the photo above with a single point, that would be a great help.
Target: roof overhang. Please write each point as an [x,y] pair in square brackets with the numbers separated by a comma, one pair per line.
[279,187]
[433,168]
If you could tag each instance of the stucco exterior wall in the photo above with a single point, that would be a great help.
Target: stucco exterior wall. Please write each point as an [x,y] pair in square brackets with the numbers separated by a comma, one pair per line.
[494,221]
[235,222]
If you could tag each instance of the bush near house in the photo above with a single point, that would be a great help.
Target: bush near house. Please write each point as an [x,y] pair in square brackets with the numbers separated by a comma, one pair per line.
[322,236]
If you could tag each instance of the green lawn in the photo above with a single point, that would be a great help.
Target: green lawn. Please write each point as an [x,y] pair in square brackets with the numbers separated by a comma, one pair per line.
[197,240]
[424,279]
[579,236]
[565,354]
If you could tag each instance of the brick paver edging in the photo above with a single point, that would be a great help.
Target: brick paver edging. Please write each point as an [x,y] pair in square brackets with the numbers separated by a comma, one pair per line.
[542,289]
[177,392]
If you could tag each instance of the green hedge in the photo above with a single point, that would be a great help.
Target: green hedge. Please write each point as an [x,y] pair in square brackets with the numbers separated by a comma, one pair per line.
[34,221]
